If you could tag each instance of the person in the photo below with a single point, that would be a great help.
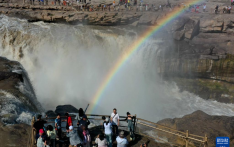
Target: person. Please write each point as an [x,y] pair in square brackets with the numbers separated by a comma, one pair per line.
[229,9]
[84,122]
[121,140]
[86,137]
[69,121]
[101,140]
[204,8]
[32,2]
[108,132]
[216,9]
[73,136]
[104,120]
[41,139]
[51,134]
[39,124]
[115,121]
[114,4]
[129,120]
[58,126]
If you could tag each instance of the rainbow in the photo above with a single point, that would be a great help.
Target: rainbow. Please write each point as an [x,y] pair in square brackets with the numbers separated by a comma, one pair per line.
[133,48]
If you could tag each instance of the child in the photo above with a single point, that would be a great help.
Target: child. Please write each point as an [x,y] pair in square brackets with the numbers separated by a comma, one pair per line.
[41,139]
[87,137]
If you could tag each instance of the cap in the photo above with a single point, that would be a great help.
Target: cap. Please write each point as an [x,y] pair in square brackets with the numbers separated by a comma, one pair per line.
[71,128]
[41,131]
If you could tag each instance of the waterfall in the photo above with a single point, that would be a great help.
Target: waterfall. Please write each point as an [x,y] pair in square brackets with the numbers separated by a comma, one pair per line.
[66,65]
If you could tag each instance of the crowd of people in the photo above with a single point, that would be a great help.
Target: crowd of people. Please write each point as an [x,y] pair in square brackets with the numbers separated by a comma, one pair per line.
[48,136]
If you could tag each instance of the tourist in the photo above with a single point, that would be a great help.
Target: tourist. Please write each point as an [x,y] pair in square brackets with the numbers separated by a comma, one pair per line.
[121,140]
[129,120]
[204,8]
[108,132]
[83,122]
[51,134]
[115,121]
[32,2]
[56,1]
[69,120]
[101,140]
[216,9]
[39,124]
[41,139]
[114,5]
[86,137]
[146,7]
[58,126]
[229,9]
[74,138]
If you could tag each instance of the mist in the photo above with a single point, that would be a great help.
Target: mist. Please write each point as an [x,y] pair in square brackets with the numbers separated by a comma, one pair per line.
[67,64]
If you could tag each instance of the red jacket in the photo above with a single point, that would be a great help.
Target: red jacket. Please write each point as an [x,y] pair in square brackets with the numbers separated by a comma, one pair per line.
[69,121]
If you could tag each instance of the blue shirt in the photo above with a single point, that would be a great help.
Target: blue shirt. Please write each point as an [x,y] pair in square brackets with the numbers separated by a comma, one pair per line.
[58,122]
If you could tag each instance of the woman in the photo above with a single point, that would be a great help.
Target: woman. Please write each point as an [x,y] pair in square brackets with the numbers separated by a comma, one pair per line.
[69,121]
[87,137]
[129,120]
[101,140]
[108,132]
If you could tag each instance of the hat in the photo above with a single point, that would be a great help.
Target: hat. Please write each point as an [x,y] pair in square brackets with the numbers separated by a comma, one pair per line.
[39,116]
[121,134]
[84,116]
[71,128]
[41,131]
[107,119]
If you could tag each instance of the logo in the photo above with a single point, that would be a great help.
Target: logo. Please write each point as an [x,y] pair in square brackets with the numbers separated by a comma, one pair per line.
[222,142]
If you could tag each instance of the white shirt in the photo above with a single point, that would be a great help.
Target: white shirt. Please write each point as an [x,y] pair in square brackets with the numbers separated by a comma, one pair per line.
[115,118]
[204,7]
[108,129]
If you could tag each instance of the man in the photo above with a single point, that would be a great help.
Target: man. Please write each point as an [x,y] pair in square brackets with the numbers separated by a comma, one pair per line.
[84,122]
[204,8]
[58,126]
[121,140]
[73,137]
[39,124]
[115,121]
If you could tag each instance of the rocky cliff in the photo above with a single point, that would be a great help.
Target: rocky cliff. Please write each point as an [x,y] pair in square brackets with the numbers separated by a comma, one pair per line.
[200,123]
[17,98]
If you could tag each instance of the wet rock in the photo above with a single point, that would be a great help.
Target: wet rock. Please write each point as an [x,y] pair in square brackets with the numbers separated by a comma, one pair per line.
[14,135]
[200,123]
[178,35]
[16,92]
[51,113]
[62,109]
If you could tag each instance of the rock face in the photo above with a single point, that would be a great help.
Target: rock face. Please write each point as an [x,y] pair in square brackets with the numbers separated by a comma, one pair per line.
[14,135]
[200,123]
[16,92]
